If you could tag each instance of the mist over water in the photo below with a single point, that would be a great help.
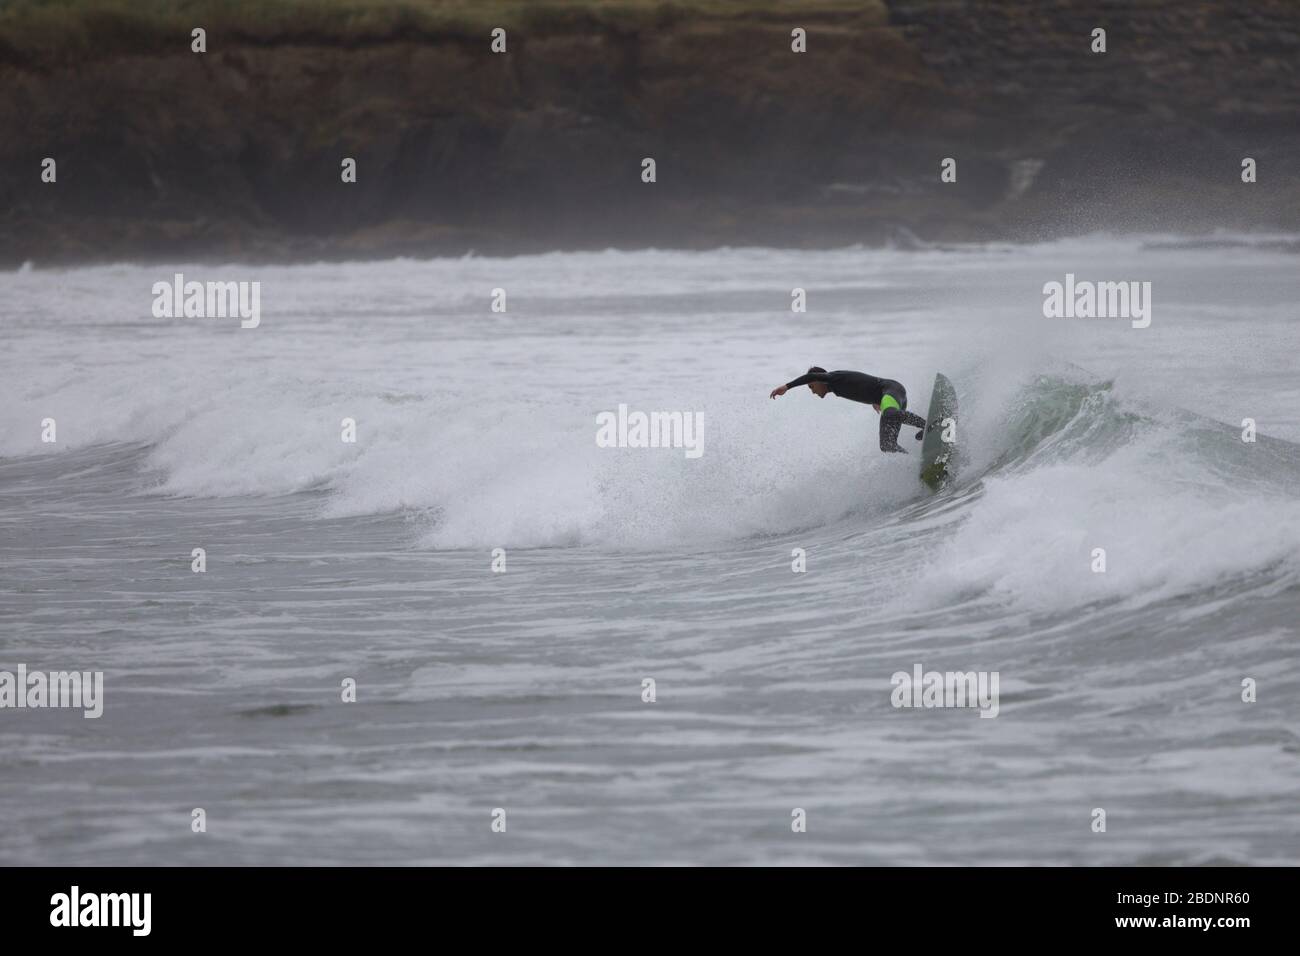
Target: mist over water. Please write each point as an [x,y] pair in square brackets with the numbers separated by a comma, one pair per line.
[476,430]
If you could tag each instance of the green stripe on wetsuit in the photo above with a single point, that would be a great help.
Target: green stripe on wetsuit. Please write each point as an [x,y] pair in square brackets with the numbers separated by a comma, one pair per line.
[887,402]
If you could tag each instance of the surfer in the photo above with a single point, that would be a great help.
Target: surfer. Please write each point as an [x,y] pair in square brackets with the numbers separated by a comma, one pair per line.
[885,395]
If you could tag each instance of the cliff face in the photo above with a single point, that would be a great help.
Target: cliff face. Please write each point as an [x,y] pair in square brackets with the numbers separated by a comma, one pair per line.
[235,153]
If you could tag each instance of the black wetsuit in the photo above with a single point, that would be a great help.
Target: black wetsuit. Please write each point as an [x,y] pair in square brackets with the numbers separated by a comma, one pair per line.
[860,387]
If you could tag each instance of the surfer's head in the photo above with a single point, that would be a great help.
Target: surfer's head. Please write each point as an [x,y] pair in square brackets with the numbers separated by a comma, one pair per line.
[818,388]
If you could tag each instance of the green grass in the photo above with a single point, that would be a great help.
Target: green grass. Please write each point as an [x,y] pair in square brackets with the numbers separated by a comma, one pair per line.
[63,29]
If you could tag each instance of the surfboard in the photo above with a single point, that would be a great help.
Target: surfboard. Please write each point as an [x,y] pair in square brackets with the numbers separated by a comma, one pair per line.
[937,464]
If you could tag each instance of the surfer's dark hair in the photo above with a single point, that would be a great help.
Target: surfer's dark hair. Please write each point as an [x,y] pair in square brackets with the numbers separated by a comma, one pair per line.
[816,368]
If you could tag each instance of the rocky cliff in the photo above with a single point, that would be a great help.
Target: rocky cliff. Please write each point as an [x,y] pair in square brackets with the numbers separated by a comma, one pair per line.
[235,153]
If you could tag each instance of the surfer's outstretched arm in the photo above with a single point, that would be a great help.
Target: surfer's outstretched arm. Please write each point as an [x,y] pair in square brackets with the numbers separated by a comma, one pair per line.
[818,376]
[809,377]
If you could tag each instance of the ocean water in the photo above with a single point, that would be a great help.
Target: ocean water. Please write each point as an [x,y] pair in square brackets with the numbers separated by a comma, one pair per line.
[326,560]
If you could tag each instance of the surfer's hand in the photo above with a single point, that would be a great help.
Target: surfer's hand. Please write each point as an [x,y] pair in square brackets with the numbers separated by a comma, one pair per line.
[779,390]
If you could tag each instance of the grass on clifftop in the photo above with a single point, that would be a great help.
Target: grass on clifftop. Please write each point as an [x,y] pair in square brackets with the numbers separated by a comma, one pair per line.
[55,30]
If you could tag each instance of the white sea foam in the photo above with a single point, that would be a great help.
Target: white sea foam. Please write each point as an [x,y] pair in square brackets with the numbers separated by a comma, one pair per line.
[475,431]
[481,423]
